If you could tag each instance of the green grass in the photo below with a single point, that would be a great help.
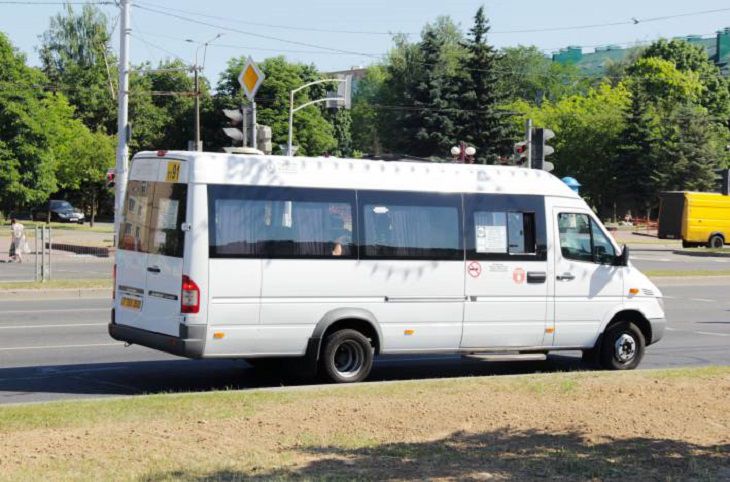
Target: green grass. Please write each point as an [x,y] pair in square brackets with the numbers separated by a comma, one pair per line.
[660,273]
[58,284]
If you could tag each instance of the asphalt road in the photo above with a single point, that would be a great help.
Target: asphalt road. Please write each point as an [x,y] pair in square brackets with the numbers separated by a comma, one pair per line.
[57,349]
[62,267]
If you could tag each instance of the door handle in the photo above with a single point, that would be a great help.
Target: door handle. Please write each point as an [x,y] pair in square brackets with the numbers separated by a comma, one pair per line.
[153,269]
[565,277]
[536,277]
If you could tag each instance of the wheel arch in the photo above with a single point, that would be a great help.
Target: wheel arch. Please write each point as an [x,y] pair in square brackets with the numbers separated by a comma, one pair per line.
[717,233]
[636,317]
[354,318]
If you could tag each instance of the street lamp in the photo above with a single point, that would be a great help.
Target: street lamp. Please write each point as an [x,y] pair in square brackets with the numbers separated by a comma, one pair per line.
[345,97]
[463,153]
[196,69]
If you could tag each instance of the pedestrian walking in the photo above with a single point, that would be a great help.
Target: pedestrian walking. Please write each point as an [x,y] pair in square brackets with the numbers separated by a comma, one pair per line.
[18,244]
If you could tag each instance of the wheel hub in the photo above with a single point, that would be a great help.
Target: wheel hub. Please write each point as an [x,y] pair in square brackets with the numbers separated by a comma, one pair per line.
[349,359]
[625,348]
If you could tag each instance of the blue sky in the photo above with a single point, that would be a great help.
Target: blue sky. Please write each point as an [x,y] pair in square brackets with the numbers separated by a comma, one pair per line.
[159,36]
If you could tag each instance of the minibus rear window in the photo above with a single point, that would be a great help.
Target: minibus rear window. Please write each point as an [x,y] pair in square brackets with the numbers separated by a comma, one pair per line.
[152,218]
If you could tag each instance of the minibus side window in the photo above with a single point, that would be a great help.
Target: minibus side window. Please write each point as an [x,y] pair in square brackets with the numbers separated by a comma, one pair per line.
[503,227]
[582,240]
[397,225]
[285,223]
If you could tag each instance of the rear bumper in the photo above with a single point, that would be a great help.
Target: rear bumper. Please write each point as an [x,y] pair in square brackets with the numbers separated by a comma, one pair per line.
[189,344]
[658,325]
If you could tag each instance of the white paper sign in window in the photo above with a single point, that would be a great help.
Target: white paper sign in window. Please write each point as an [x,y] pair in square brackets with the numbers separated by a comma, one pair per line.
[491,232]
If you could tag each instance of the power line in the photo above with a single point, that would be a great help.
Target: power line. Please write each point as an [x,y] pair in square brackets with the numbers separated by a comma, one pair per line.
[275,26]
[243,32]
[632,21]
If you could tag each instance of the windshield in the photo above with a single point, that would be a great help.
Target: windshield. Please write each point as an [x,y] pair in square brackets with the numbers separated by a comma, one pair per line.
[61,205]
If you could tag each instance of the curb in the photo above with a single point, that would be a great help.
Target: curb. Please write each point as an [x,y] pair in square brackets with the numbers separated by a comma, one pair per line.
[55,294]
[700,254]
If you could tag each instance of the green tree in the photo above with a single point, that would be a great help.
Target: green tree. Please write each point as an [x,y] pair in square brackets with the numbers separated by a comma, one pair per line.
[27,173]
[524,72]
[686,57]
[482,121]
[366,111]
[77,58]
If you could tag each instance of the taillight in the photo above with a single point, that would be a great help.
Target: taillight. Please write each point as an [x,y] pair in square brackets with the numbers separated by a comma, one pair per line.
[190,299]
[114,282]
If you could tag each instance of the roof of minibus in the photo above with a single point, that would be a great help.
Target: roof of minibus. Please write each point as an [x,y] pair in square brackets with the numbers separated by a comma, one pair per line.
[339,173]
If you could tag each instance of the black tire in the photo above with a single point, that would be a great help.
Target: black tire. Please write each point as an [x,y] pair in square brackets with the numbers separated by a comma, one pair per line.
[347,357]
[622,347]
[716,242]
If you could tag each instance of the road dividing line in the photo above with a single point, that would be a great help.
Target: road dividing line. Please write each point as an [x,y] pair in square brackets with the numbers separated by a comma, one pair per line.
[703,300]
[69,325]
[708,333]
[65,310]
[49,347]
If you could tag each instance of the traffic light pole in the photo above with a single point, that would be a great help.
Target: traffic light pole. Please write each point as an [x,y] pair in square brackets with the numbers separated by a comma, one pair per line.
[528,139]
[197,108]
[123,115]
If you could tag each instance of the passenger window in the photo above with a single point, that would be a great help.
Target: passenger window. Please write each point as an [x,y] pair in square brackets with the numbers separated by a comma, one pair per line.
[280,223]
[504,232]
[581,239]
[411,226]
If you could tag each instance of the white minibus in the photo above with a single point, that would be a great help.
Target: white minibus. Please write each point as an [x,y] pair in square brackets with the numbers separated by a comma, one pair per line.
[335,261]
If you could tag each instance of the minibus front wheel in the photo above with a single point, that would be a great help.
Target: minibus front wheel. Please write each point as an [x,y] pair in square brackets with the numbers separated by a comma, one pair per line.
[622,346]
[347,357]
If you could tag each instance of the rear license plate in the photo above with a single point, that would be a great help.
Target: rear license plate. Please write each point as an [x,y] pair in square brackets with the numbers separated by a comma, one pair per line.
[131,303]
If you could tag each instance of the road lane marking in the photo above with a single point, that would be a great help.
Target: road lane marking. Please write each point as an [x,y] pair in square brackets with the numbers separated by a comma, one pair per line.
[49,347]
[709,333]
[703,300]
[64,310]
[68,325]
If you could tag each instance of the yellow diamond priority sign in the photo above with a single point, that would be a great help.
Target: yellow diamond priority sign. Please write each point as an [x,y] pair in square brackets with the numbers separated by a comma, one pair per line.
[250,78]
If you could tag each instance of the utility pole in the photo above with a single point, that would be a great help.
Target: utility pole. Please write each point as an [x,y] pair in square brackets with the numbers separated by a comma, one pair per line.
[528,140]
[122,115]
[197,108]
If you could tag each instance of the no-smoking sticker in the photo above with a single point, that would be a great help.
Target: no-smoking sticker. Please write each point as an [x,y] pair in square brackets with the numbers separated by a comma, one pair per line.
[474,269]
[518,276]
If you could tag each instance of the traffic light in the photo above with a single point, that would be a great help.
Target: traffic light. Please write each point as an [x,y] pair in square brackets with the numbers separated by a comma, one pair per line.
[520,153]
[723,179]
[540,149]
[236,117]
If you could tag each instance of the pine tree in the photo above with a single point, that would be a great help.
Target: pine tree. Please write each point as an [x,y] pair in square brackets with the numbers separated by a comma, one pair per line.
[482,122]
[431,114]
[636,162]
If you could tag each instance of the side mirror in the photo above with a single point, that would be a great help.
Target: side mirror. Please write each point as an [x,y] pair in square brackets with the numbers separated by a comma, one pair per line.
[623,258]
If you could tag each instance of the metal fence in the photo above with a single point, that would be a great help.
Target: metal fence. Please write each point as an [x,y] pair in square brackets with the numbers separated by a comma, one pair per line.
[57,252]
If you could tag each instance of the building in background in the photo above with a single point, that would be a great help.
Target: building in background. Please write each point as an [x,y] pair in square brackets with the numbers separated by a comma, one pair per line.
[717,47]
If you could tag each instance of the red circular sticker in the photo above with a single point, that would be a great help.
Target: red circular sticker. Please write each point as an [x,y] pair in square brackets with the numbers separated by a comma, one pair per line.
[474,269]
[518,276]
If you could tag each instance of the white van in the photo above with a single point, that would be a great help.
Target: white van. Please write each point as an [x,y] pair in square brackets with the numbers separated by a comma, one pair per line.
[336,261]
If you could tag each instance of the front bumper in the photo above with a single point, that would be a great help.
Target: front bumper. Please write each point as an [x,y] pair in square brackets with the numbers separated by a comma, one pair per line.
[190,342]
[658,326]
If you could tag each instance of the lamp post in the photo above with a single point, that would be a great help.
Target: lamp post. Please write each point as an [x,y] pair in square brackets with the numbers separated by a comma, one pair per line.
[292,110]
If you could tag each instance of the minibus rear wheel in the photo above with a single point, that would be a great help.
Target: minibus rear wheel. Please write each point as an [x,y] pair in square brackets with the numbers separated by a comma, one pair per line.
[347,357]
[622,347]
